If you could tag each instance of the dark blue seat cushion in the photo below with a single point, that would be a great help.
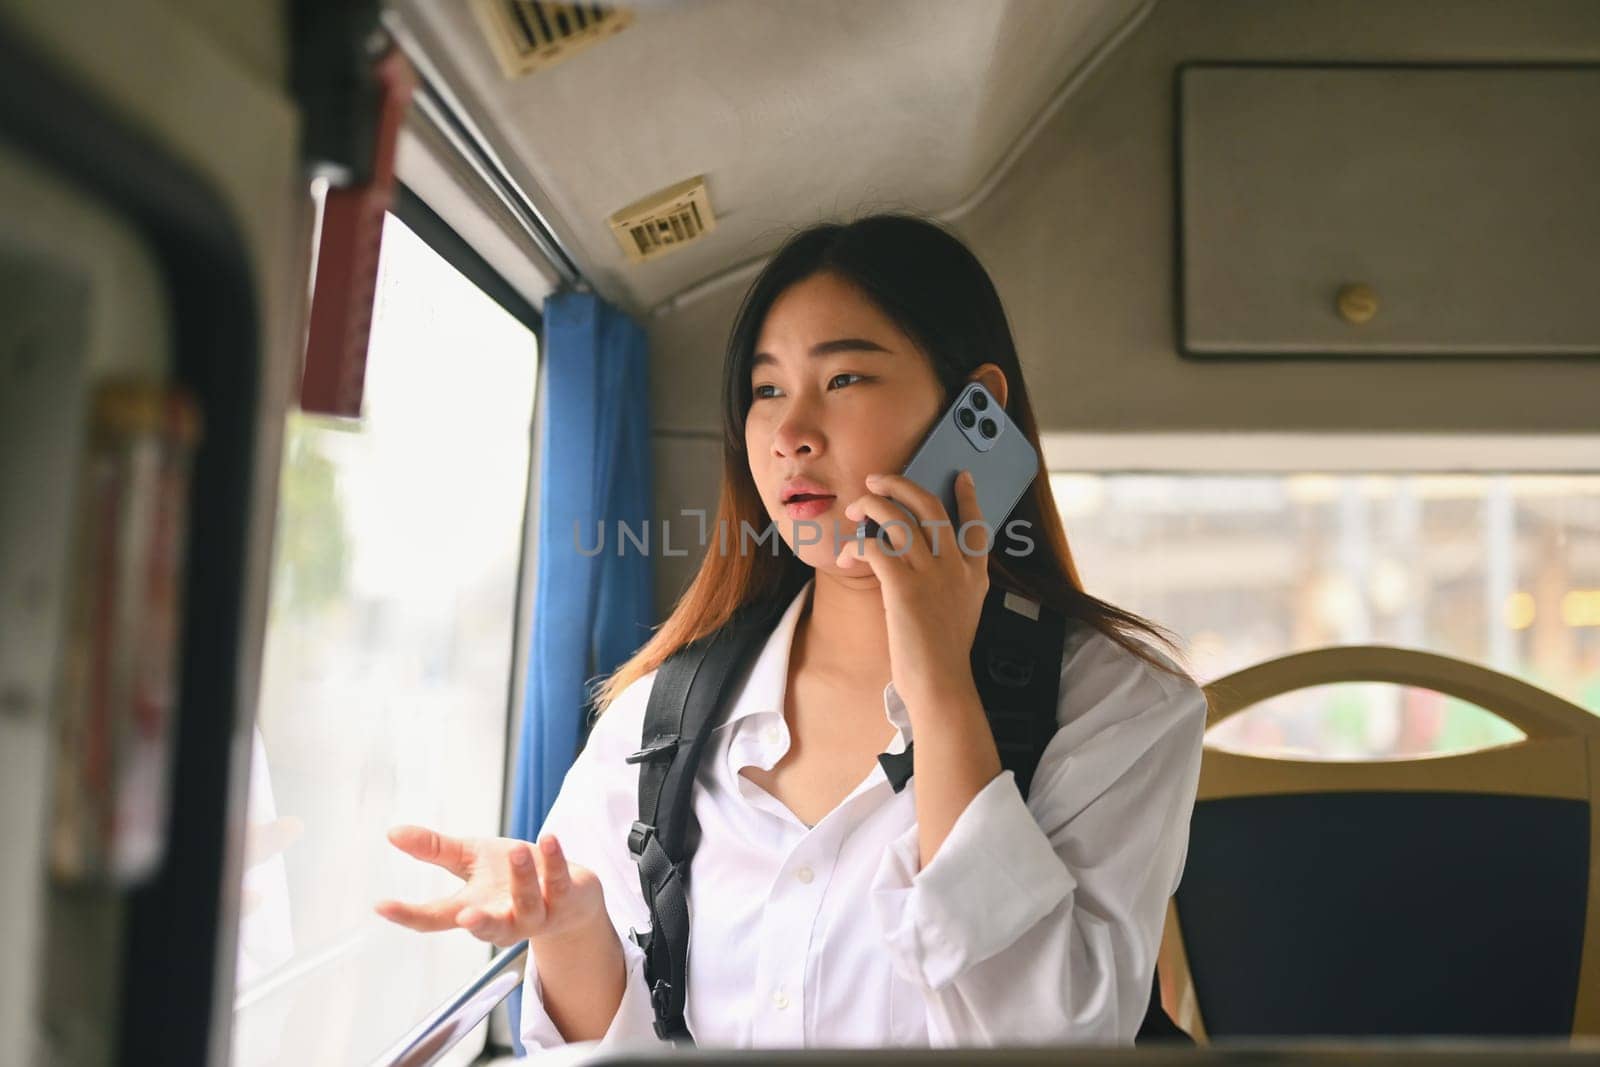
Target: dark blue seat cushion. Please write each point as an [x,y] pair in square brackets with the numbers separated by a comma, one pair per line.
[1354,914]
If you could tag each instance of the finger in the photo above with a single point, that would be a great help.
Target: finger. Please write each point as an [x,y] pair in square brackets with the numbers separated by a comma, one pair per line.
[527,903]
[427,918]
[923,504]
[869,555]
[553,872]
[432,847]
[496,926]
[967,498]
[974,538]
[897,532]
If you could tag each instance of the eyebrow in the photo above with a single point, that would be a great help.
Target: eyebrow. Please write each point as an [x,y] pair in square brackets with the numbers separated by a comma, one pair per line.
[826,348]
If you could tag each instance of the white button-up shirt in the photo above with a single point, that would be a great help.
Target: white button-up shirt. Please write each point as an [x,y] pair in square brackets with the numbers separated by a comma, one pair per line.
[1037,922]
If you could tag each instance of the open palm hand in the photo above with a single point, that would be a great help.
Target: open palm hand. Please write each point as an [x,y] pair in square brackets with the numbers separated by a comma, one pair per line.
[511,891]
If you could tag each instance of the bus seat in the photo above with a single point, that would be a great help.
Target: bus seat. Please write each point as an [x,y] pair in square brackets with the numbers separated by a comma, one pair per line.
[1453,895]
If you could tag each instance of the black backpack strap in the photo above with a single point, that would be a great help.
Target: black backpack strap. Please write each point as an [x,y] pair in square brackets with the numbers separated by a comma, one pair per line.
[687,699]
[1016,663]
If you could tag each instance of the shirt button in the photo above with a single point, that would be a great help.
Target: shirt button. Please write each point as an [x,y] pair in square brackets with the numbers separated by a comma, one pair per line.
[780,1000]
[805,875]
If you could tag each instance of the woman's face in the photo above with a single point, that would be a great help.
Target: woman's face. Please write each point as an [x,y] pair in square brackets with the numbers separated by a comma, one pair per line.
[838,393]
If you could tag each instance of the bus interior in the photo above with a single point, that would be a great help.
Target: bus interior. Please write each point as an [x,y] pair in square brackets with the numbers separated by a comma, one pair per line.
[1307,295]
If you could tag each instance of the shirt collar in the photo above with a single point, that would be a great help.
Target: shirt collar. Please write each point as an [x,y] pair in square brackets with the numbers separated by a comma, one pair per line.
[768,681]
[763,690]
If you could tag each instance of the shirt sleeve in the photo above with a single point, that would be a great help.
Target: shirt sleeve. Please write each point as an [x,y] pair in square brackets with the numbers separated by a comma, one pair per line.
[1038,921]
[596,806]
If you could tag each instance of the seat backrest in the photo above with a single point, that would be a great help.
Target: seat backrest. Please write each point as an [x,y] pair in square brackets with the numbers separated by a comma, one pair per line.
[1445,895]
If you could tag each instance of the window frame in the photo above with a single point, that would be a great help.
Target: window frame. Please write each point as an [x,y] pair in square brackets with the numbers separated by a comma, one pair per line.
[1214,452]
[440,236]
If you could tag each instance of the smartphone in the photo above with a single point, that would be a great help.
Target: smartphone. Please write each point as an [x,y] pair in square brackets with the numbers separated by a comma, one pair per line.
[974,434]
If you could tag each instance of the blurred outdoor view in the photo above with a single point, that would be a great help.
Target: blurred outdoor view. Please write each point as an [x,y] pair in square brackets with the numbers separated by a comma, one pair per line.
[1502,570]
[384,690]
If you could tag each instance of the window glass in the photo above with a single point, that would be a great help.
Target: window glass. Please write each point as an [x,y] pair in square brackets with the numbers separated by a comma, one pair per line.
[1501,570]
[387,673]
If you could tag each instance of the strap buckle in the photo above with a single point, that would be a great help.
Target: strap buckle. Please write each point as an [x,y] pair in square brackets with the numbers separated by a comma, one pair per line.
[666,746]
[639,837]
[1011,671]
[661,1001]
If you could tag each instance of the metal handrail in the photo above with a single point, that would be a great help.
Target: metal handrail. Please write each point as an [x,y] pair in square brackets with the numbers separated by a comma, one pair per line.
[439,1032]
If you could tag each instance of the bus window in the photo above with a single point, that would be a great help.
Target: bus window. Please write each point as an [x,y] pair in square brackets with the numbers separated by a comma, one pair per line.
[1497,569]
[387,676]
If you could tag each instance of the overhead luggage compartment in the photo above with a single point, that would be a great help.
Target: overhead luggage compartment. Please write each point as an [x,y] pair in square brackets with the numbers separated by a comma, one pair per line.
[1389,211]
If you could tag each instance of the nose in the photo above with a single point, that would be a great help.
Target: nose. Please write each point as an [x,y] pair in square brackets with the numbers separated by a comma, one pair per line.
[797,434]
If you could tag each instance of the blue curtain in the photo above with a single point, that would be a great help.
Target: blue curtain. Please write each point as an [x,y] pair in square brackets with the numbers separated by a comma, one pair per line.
[591,611]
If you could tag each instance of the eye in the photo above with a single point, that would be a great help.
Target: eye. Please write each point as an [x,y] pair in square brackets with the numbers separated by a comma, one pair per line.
[846,374]
[757,394]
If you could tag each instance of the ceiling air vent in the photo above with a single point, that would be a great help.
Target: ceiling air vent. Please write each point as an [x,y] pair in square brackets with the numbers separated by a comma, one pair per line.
[665,220]
[527,35]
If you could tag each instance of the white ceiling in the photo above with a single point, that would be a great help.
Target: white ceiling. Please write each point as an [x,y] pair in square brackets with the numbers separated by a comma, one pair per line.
[794,110]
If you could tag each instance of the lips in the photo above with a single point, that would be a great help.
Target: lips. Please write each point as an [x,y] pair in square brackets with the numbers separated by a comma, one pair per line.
[802,490]
[804,498]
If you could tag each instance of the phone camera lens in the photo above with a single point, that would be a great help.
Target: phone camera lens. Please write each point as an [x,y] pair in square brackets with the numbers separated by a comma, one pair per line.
[979,401]
[988,428]
[966,418]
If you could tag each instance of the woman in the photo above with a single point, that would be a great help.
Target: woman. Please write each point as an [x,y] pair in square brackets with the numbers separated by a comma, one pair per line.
[828,909]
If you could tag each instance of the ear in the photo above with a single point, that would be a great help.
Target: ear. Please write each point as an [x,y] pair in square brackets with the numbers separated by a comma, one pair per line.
[992,379]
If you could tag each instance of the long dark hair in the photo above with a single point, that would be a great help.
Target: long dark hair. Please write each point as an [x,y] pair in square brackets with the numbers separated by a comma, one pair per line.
[934,289]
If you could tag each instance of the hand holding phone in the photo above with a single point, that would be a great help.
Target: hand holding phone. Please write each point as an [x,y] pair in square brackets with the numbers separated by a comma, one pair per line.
[975,434]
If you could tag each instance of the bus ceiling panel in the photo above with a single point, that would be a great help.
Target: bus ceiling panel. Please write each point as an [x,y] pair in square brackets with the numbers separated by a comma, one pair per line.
[793,111]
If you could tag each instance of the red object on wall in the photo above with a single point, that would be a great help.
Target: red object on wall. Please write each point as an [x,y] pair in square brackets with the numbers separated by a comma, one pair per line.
[347,261]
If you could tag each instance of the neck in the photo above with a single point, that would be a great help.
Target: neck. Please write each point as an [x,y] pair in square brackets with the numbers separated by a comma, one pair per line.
[844,629]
